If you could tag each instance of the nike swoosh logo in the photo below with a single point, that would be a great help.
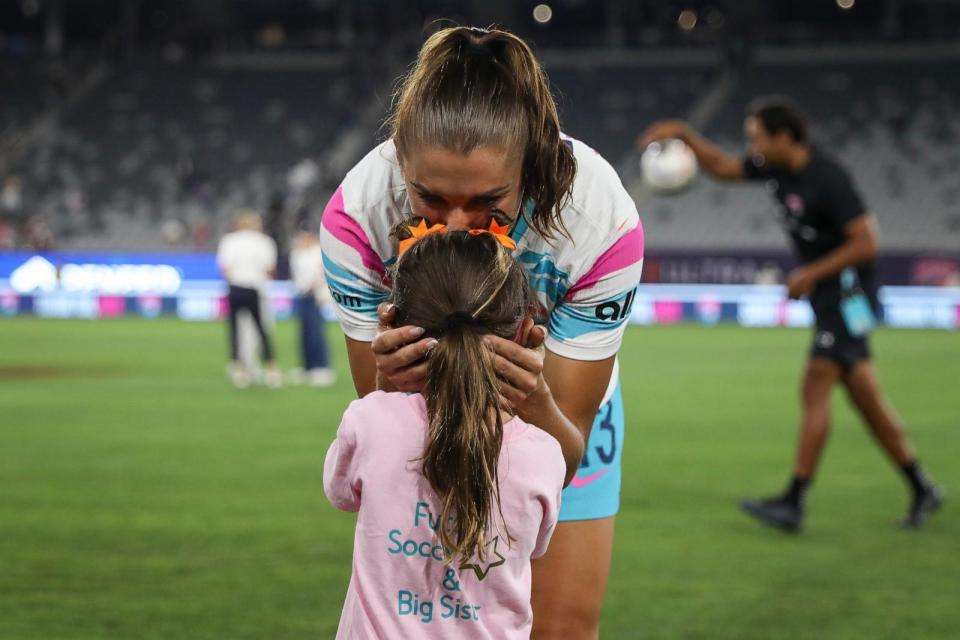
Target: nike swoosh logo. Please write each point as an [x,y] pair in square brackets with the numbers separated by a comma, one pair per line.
[582,482]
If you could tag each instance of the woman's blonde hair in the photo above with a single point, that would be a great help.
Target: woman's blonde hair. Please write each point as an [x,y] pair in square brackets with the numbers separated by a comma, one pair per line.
[247,220]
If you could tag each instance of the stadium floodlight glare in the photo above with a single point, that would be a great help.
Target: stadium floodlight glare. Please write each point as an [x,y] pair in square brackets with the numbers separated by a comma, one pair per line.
[845,4]
[687,19]
[542,13]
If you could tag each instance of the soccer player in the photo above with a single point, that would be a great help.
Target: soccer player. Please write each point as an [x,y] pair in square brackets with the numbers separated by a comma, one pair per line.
[248,259]
[476,140]
[835,238]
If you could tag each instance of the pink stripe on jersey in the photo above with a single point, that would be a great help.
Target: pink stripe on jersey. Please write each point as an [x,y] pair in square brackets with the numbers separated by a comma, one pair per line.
[348,231]
[626,251]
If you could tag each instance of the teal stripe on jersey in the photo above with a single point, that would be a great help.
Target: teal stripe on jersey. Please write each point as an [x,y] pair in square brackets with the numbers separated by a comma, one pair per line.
[544,275]
[570,321]
[349,294]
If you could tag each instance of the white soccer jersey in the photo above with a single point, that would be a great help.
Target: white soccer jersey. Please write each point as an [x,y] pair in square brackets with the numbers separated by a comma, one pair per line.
[585,287]
[247,257]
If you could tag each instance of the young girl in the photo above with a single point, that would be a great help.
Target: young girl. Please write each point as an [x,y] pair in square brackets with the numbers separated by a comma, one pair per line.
[455,496]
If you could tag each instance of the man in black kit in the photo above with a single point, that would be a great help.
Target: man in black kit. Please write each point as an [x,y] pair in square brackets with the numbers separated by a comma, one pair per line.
[835,239]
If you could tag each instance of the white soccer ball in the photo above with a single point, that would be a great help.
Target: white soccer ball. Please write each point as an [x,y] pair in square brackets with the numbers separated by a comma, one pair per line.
[668,166]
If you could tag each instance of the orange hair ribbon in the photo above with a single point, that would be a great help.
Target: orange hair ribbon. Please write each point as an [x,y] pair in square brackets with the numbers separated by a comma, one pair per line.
[422,230]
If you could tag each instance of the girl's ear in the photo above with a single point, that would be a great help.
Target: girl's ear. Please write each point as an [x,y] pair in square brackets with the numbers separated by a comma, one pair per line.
[523,331]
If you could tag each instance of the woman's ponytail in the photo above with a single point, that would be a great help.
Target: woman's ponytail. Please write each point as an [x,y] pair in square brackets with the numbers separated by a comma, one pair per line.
[472,88]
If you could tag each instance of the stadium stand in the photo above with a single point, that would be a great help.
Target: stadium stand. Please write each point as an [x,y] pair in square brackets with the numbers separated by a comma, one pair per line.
[30,87]
[603,105]
[159,154]
[893,124]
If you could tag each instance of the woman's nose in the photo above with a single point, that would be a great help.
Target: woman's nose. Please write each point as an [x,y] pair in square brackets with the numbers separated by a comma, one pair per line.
[460,220]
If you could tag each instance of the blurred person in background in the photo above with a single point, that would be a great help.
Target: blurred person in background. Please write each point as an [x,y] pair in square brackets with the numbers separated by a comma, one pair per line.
[247,257]
[835,238]
[11,196]
[36,234]
[306,268]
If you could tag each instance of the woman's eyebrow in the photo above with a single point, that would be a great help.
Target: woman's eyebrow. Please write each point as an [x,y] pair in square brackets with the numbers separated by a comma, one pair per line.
[419,187]
[496,192]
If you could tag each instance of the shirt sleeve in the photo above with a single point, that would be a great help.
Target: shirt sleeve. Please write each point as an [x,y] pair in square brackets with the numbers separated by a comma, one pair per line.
[355,274]
[550,500]
[754,168]
[341,477]
[588,324]
[222,255]
[842,201]
[271,254]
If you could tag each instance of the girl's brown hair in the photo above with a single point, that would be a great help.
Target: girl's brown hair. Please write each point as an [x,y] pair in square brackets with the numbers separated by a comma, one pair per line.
[471,88]
[459,287]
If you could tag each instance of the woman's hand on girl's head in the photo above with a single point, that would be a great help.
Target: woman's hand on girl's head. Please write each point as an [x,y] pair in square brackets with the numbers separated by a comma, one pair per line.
[520,368]
[400,353]
[525,393]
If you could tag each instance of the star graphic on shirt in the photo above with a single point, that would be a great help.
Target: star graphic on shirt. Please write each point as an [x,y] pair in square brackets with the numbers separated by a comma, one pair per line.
[476,566]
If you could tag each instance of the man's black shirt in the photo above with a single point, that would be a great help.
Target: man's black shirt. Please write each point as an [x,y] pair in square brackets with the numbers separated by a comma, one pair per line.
[816,203]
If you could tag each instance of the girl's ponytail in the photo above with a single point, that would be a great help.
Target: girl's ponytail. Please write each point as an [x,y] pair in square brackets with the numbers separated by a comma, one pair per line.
[464,438]
[459,286]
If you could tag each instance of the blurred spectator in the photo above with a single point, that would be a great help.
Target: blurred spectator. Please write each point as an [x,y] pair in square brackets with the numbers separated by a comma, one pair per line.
[306,267]
[37,234]
[201,234]
[11,197]
[248,259]
[303,176]
[173,231]
[7,239]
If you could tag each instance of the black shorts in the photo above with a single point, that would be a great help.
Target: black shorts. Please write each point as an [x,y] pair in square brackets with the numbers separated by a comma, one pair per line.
[831,339]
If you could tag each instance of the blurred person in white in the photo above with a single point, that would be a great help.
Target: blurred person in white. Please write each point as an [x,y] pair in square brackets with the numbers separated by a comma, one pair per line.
[247,257]
[306,269]
[248,338]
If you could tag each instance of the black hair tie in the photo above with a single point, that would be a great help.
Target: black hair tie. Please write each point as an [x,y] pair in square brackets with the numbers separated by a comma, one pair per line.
[459,319]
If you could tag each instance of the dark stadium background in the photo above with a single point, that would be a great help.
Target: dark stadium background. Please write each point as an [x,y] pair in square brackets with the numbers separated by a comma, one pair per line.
[142,496]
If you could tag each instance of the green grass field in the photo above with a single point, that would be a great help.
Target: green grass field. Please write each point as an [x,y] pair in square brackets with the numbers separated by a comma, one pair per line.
[143,497]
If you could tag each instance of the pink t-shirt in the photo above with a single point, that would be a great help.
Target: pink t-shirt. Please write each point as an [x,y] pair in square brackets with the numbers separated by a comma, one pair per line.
[400,587]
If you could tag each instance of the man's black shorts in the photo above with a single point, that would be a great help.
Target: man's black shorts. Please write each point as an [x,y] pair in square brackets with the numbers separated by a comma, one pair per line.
[831,339]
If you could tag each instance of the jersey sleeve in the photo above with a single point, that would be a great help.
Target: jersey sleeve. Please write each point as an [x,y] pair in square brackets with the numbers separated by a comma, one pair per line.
[842,201]
[355,274]
[588,324]
[341,477]
[754,168]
